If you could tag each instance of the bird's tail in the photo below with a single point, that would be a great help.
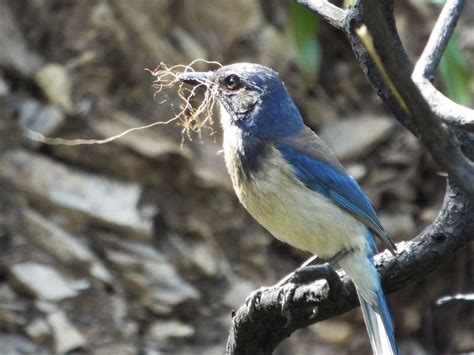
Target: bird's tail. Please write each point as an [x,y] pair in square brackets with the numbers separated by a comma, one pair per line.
[361,270]
[379,325]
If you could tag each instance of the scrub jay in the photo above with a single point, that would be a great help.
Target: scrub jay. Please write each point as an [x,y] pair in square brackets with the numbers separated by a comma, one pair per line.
[291,183]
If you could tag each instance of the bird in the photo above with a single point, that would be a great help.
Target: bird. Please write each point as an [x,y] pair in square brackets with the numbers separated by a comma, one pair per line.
[290,181]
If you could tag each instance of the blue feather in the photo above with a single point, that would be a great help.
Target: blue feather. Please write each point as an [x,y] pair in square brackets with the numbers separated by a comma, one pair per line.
[377,331]
[334,184]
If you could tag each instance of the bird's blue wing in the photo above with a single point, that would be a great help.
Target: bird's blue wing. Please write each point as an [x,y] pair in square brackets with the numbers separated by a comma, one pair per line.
[329,179]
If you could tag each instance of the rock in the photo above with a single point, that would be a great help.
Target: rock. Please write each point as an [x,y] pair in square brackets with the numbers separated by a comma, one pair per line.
[166,286]
[404,191]
[6,295]
[14,52]
[197,255]
[100,272]
[115,349]
[42,281]
[319,111]
[19,345]
[412,347]
[103,200]
[169,331]
[55,239]
[5,87]
[238,292]
[144,251]
[152,143]
[55,82]
[80,284]
[10,319]
[206,262]
[333,331]
[35,116]
[149,12]
[352,138]
[46,306]
[122,261]
[143,28]
[65,334]
[38,330]
[209,165]
[12,310]
[149,274]
[187,44]
[400,225]
[246,18]
[62,245]
[272,48]
[214,349]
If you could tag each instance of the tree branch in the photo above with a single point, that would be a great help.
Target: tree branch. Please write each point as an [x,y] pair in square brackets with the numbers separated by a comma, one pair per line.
[446,109]
[329,12]
[439,39]
[438,138]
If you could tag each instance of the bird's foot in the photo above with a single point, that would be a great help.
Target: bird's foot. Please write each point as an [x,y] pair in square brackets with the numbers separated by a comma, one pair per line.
[253,300]
[312,273]
[288,277]
[285,295]
[306,275]
[318,272]
[288,285]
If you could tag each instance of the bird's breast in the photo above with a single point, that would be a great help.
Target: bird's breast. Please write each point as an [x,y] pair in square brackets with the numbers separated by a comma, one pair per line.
[275,197]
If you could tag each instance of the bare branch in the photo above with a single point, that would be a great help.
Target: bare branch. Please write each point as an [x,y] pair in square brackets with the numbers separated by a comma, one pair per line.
[459,298]
[439,139]
[439,38]
[329,12]
[446,109]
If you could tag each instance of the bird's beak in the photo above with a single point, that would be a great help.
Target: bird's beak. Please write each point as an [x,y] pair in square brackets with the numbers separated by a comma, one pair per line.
[197,78]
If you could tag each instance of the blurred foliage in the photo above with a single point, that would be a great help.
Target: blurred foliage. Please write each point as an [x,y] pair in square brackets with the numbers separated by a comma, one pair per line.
[455,73]
[303,26]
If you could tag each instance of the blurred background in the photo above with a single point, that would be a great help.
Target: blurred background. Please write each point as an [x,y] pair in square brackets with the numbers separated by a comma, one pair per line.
[140,246]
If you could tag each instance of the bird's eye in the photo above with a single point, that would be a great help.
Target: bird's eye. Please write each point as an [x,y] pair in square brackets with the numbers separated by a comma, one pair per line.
[232,82]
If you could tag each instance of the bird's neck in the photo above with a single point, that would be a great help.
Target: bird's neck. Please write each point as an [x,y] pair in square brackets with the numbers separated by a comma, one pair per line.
[243,152]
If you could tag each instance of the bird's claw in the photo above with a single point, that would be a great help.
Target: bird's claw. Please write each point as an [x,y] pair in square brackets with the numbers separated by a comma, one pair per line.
[285,296]
[324,271]
[287,287]
[307,274]
[253,300]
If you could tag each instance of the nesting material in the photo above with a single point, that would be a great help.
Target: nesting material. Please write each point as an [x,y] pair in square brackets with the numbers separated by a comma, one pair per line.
[191,118]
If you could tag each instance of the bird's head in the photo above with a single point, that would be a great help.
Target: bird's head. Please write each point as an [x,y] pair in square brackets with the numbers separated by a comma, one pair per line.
[253,98]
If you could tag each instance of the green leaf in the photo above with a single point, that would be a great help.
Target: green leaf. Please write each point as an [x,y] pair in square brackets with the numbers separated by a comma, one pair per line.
[303,28]
[455,73]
